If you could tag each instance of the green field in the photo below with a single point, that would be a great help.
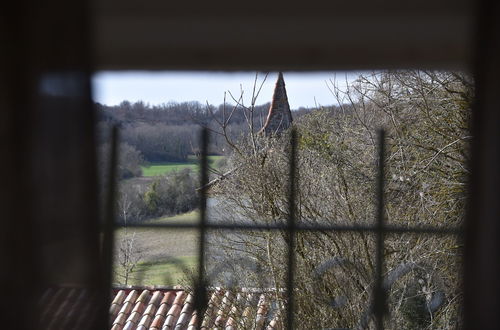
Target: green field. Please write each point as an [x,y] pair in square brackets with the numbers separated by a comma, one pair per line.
[165,254]
[175,271]
[190,217]
[163,168]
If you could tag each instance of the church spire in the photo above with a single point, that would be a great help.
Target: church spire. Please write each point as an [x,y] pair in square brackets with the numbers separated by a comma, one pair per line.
[279,117]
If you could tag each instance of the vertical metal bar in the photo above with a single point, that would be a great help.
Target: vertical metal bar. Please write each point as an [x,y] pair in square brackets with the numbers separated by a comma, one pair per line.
[109,220]
[291,229]
[379,295]
[200,290]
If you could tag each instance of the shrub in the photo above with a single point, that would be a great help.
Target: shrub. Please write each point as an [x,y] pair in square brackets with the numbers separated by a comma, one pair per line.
[426,117]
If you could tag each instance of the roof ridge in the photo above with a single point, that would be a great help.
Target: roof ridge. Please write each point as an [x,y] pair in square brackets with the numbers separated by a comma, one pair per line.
[182,288]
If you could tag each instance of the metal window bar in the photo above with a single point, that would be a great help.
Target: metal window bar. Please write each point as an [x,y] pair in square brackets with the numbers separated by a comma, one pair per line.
[379,295]
[108,241]
[380,229]
[291,230]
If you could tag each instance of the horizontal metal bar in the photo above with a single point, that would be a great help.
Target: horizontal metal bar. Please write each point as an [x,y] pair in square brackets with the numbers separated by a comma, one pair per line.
[303,227]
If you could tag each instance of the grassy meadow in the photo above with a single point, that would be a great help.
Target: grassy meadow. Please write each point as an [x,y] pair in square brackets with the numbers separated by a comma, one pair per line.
[166,255]
[175,271]
[155,169]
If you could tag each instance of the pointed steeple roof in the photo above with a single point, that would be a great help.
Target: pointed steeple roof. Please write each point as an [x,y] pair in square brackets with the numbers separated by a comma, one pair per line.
[279,117]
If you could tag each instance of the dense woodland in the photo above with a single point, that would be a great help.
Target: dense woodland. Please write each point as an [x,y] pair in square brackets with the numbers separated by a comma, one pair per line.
[167,133]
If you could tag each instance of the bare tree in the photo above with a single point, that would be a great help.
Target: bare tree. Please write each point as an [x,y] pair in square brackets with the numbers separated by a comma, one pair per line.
[426,116]
[130,203]
[128,257]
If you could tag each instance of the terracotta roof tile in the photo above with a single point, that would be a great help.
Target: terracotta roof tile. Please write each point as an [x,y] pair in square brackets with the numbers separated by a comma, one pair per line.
[51,302]
[120,320]
[169,309]
[145,322]
[75,310]
[174,311]
[156,299]
[116,304]
[126,309]
[262,311]
[139,307]
[235,313]
[132,320]
[68,307]
[187,311]
[132,296]
[144,297]
[165,304]
[150,310]
[246,321]
[60,311]
[193,323]
[213,306]
[224,309]
[274,324]
[87,311]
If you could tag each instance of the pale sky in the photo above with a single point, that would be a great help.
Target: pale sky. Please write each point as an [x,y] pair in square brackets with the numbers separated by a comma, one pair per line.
[303,89]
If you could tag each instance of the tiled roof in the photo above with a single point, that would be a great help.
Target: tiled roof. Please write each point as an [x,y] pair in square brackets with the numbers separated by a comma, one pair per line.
[68,307]
[161,309]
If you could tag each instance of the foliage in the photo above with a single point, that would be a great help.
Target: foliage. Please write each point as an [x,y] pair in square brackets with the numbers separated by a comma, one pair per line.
[426,116]
[152,198]
[170,194]
[129,163]
[169,132]
[174,193]
[130,204]
[160,142]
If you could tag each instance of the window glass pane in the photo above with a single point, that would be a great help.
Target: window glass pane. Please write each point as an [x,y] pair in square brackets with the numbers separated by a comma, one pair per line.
[334,279]
[155,256]
[423,277]
[235,258]
[425,116]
